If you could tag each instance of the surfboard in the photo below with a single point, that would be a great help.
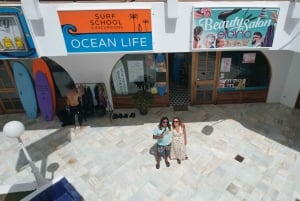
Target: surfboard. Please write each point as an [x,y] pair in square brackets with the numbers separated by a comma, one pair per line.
[44,96]
[119,79]
[25,89]
[40,65]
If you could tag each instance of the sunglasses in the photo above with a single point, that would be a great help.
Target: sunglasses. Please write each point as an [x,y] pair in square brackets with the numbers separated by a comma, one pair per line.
[165,121]
[176,121]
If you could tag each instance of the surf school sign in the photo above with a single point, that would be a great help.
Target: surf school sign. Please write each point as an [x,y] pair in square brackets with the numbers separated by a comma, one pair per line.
[233,27]
[106,30]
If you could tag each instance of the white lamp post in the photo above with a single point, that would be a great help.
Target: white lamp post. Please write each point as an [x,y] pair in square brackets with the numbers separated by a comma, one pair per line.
[14,129]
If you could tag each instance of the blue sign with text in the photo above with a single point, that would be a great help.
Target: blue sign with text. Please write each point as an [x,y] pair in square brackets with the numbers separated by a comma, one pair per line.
[107,42]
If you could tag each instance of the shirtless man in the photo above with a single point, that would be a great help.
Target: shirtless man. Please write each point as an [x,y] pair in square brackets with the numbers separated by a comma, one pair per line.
[73,96]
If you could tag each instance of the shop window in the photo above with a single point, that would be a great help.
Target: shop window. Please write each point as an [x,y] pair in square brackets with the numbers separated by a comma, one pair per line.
[10,101]
[9,97]
[138,72]
[244,71]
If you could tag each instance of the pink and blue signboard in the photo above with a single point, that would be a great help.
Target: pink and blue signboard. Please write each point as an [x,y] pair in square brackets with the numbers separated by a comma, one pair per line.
[233,27]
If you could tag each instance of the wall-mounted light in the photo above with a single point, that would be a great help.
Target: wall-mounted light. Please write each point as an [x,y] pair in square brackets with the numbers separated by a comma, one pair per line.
[295,10]
[172,8]
[32,9]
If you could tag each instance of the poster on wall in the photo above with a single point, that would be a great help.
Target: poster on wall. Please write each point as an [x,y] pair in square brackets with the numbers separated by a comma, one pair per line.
[225,65]
[233,27]
[232,83]
[136,71]
[106,30]
[249,58]
[15,38]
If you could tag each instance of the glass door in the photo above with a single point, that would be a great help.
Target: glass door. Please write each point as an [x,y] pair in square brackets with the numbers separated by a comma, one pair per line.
[204,77]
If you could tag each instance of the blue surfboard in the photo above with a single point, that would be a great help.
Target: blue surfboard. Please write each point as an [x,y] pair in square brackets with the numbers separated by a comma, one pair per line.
[44,96]
[25,89]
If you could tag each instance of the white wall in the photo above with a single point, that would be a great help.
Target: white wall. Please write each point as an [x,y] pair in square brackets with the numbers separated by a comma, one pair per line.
[292,84]
[96,68]
[91,68]
[280,65]
[169,35]
[292,27]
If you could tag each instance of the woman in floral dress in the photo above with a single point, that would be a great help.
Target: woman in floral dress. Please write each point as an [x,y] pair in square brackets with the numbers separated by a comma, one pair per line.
[179,141]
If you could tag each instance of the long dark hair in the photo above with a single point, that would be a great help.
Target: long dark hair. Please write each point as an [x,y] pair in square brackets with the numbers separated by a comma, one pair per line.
[179,121]
[197,31]
[161,123]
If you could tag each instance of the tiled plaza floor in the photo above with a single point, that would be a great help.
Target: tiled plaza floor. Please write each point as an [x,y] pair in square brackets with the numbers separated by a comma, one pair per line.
[113,160]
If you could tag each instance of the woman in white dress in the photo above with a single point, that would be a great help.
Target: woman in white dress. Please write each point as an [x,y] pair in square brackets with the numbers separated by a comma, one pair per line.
[179,141]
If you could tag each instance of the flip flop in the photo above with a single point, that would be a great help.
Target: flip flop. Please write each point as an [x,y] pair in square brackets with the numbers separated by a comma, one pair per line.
[114,116]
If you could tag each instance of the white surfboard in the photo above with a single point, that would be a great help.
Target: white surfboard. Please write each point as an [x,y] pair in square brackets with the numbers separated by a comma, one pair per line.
[119,79]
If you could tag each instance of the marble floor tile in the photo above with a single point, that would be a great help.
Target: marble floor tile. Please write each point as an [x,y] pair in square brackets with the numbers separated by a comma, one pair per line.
[114,160]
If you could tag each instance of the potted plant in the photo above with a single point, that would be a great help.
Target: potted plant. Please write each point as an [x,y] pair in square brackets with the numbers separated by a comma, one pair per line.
[142,101]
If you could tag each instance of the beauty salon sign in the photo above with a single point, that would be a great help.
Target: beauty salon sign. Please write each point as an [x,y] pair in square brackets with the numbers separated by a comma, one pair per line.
[106,30]
[233,27]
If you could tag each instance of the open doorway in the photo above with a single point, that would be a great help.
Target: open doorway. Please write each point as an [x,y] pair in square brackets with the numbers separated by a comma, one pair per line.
[179,65]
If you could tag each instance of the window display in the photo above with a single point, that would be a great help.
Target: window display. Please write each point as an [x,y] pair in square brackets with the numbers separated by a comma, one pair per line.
[11,34]
[140,72]
[244,71]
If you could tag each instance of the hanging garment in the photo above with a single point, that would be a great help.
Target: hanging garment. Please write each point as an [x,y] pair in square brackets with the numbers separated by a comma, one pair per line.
[87,101]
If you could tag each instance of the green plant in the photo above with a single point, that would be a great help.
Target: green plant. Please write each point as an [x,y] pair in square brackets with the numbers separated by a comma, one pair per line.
[142,101]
